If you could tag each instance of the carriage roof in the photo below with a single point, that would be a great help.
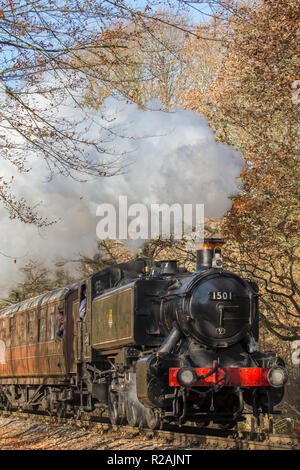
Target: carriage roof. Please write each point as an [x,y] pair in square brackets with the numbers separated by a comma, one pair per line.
[57,294]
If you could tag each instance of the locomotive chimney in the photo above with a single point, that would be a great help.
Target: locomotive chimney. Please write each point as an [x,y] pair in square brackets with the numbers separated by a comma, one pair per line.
[169,266]
[209,254]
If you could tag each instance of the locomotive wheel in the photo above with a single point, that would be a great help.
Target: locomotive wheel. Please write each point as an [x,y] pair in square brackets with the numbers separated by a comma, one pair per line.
[229,425]
[152,418]
[203,424]
[113,409]
[7,405]
[132,414]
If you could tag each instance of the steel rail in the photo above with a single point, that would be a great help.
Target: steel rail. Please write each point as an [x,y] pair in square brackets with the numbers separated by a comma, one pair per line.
[191,436]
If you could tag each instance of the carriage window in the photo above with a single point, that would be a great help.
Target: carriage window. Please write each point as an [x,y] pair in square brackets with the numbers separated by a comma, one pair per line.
[21,329]
[30,327]
[12,331]
[52,321]
[42,325]
[3,330]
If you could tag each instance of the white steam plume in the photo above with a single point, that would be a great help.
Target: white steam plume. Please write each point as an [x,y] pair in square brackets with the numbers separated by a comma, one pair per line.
[177,162]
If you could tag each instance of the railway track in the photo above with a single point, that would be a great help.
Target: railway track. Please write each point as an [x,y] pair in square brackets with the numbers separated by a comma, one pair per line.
[187,437]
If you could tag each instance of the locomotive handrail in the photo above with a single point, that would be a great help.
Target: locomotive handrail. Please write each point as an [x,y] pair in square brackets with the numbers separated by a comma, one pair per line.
[212,371]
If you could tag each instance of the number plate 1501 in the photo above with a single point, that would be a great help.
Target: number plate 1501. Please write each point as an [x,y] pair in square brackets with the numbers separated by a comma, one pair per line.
[220,295]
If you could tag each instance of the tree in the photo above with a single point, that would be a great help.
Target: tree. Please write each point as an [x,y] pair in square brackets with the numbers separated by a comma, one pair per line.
[249,106]
[37,41]
[43,67]
[37,279]
[151,65]
[157,61]
[110,252]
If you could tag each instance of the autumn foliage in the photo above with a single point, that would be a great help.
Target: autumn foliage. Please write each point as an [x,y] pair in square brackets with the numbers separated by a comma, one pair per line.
[249,105]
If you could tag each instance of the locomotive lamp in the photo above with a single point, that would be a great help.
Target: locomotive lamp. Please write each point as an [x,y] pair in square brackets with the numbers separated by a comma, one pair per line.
[277,376]
[209,254]
[187,376]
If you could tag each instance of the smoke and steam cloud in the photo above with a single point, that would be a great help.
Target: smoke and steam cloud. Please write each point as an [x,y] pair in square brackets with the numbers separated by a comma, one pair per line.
[171,157]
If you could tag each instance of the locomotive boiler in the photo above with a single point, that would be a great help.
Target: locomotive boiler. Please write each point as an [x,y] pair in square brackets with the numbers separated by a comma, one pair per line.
[157,344]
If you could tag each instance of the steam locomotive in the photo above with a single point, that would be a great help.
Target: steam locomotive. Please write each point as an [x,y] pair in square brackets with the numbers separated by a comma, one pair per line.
[157,344]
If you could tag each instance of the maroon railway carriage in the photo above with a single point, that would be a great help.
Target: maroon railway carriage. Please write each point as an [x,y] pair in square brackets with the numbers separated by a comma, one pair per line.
[33,358]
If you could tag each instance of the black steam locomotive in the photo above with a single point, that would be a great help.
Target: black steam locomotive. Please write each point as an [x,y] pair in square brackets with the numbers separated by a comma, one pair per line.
[156,344]
[182,346]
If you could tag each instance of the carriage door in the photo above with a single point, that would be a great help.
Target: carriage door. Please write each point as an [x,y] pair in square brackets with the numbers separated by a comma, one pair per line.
[83,350]
[77,331]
